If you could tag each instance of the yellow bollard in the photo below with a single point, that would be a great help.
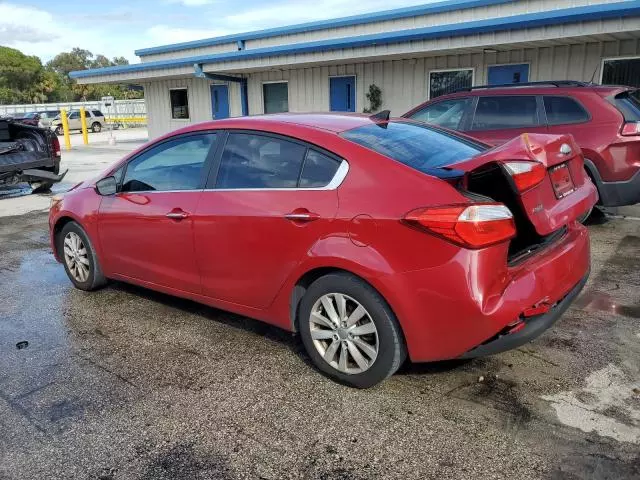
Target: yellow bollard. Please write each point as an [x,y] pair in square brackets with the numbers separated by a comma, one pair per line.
[83,122]
[65,128]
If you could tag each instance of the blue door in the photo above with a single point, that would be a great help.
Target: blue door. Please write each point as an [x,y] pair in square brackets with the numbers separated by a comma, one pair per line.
[342,94]
[220,101]
[506,74]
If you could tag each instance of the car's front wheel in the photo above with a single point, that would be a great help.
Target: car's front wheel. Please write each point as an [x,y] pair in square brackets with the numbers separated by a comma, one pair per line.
[96,127]
[79,258]
[349,331]
[59,130]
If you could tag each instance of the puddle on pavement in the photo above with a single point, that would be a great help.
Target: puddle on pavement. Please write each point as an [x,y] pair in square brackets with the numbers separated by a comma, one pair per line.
[605,302]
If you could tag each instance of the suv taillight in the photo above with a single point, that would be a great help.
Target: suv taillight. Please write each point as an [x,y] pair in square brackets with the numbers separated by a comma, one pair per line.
[526,174]
[55,146]
[630,129]
[472,226]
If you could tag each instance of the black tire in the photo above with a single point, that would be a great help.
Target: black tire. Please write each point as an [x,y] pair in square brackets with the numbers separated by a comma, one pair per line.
[391,347]
[59,130]
[95,278]
[96,127]
[40,187]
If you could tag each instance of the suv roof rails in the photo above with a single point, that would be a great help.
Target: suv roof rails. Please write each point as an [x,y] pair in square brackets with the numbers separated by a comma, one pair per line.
[555,83]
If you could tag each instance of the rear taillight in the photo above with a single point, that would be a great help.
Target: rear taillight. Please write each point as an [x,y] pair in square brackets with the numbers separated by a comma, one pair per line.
[630,128]
[526,174]
[472,226]
[55,146]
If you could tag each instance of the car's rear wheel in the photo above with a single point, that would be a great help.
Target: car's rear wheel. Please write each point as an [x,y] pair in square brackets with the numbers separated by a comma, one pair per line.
[79,258]
[96,127]
[59,130]
[349,331]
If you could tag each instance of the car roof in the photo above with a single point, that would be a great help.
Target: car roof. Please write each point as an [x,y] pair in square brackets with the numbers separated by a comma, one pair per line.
[333,122]
[548,89]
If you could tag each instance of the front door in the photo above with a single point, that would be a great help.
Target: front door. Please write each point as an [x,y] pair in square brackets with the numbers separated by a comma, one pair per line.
[220,101]
[499,118]
[507,74]
[146,229]
[342,93]
[261,216]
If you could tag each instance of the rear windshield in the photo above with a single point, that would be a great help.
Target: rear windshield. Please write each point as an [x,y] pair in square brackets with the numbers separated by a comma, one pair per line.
[629,105]
[418,146]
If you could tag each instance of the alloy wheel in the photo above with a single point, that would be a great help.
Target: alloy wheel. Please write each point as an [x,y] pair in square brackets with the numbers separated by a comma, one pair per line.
[344,333]
[76,257]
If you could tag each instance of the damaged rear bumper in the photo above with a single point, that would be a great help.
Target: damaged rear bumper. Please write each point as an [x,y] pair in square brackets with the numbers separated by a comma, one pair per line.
[534,327]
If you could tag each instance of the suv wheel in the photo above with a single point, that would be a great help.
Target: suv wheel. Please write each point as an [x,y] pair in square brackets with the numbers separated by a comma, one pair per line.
[59,130]
[350,332]
[96,127]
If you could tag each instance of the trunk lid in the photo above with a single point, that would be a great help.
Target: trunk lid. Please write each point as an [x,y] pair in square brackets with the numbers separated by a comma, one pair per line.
[564,194]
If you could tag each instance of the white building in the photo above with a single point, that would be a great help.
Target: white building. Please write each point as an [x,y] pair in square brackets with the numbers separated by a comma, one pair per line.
[411,54]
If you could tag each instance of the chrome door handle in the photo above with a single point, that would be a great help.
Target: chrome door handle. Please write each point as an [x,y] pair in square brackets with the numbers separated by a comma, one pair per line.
[177,215]
[301,216]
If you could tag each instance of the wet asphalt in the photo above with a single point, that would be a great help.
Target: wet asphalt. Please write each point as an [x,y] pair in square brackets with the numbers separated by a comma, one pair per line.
[125,383]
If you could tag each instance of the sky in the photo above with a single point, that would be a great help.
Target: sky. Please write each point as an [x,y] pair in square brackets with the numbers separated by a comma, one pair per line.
[118,27]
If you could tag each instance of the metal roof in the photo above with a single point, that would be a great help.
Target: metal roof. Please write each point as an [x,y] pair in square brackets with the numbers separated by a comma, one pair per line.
[539,19]
[432,8]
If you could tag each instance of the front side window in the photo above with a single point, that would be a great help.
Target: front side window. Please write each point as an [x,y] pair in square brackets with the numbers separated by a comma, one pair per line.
[74,115]
[562,110]
[276,97]
[447,113]
[259,161]
[512,111]
[419,146]
[173,165]
[97,113]
[441,83]
[179,99]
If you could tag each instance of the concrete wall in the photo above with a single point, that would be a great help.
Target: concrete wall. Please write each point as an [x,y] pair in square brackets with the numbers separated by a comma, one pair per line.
[404,83]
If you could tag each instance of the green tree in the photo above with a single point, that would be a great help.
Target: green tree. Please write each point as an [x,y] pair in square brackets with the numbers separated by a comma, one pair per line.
[19,75]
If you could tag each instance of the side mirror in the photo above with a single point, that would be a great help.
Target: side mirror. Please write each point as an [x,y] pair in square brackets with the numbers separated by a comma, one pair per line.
[107,186]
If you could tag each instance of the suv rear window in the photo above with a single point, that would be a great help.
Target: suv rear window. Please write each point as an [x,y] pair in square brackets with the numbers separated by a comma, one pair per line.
[509,111]
[628,104]
[418,146]
[561,110]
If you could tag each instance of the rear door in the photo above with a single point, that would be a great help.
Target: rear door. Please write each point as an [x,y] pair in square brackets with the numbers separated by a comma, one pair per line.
[497,119]
[268,200]
[146,229]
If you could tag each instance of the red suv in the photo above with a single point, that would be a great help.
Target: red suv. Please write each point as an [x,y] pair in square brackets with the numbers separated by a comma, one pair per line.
[604,120]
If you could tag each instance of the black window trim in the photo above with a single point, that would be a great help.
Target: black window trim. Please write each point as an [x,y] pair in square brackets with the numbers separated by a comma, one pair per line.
[336,181]
[546,118]
[205,167]
[540,123]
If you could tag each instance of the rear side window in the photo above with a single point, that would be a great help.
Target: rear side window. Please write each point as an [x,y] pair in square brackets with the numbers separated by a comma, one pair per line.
[259,161]
[318,170]
[447,113]
[629,105]
[511,111]
[97,113]
[418,146]
[561,110]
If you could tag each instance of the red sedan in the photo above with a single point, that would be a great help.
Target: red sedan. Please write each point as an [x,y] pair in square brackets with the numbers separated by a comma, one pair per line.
[373,238]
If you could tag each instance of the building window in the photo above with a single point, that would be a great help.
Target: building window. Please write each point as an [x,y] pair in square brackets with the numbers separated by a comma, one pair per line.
[179,103]
[623,71]
[447,81]
[276,97]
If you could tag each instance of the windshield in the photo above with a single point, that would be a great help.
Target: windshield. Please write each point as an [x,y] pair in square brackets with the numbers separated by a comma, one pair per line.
[419,146]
